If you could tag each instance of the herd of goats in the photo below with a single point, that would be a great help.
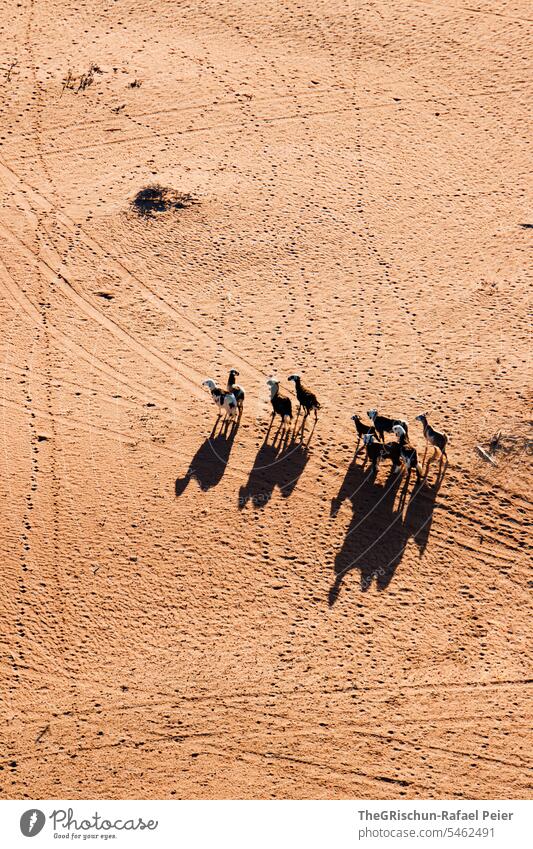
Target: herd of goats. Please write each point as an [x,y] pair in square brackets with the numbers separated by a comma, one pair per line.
[230,401]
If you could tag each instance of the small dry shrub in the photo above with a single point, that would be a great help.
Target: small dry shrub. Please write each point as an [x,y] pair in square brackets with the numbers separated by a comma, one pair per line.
[158,198]
[76,84]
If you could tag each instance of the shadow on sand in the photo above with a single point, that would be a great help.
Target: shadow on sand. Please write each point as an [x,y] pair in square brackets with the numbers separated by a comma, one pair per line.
[279,462]
[384,518]
[209,463]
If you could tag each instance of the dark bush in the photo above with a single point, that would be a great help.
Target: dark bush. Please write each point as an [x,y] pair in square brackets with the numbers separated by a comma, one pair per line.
[157,198]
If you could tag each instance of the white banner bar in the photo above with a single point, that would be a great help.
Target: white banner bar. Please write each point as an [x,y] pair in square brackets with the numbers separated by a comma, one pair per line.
[268,824]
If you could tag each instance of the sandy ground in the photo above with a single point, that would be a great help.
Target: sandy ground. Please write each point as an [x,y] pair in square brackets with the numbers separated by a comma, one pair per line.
[235,617]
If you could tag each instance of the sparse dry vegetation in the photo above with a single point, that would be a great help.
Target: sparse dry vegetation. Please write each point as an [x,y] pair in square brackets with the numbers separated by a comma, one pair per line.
[506,444]
[10,68]
[80,83]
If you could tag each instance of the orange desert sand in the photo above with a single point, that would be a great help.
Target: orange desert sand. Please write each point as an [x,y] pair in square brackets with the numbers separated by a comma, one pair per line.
[240,618]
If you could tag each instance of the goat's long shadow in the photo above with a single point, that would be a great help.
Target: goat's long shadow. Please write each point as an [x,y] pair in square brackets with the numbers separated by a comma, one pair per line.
[278,463]
[209,463]
[419,514]
[379,530]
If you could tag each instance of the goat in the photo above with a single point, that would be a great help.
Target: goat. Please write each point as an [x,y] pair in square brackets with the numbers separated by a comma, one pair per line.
[237,390]
[306,398]
[281,404]
[376,451]
[223,400]
[408,452]
[384,424]
[433,437]
[362,430]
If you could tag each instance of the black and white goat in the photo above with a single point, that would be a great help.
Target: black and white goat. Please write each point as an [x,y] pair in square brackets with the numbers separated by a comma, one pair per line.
[433,437]
[306,398]
[408,452]
[237,390]
[224,401]
[281,404]
[384,424]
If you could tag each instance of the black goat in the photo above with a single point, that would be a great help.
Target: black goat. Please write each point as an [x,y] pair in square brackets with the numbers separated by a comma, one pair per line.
[383,424]
[237,390]
[376,451]
[306,398]
[281,404]
[362,430]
